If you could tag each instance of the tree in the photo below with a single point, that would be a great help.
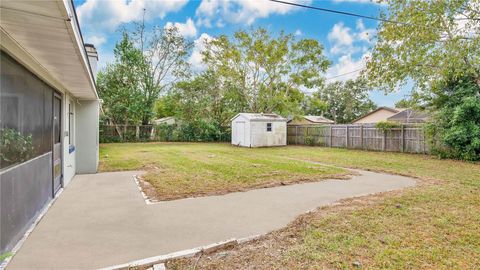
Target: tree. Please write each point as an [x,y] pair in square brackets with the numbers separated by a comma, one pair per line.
[346,101]
[433,39]
[119,87]
[406,103]
[267,72]
[166,105]
[312,105]
[206,97]
[456,118]
[165,52]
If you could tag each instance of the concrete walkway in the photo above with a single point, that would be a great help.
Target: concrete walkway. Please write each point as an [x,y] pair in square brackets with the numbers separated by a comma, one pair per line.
[102,220]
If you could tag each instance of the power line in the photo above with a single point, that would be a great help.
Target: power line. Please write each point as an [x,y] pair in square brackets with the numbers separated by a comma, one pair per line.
[338,12]
[343,74]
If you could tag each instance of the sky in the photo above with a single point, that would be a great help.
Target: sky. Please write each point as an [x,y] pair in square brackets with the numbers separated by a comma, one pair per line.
[346,40]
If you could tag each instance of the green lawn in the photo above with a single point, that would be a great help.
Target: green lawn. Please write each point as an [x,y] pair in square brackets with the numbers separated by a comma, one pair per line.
[433,226]
[178,170]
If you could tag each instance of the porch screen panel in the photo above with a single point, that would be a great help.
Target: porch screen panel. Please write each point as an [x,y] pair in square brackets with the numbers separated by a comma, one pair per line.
[26,114]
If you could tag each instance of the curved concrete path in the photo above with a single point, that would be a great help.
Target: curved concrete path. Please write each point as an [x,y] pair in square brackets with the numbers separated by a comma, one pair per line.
[102,219]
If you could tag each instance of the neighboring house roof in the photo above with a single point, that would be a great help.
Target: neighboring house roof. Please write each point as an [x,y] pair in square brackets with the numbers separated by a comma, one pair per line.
[318,119]
[273,117]
[310,119]
[409,116]
[377,111]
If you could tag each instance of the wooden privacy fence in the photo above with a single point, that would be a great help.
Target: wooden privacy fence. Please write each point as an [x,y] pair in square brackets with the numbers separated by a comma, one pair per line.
[406,138]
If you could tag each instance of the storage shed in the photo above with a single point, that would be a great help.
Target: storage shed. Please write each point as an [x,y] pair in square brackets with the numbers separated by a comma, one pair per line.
[259,130]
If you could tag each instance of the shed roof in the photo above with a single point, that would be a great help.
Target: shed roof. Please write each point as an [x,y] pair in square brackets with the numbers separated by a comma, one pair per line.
[261,117]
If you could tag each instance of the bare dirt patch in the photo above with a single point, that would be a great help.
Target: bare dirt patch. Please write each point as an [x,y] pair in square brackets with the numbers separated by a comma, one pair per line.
[154,196]
[269,251]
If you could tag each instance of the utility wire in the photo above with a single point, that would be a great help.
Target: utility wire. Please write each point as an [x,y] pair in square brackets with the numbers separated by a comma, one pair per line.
[338,12]
[343,74]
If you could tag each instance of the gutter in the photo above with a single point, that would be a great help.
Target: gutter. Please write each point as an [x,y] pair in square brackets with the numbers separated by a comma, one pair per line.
[81,48]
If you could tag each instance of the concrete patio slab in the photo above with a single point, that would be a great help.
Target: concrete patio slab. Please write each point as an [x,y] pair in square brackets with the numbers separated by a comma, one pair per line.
[102,219]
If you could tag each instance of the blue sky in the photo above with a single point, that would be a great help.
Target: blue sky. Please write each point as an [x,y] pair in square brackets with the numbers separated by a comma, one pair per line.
[347,40]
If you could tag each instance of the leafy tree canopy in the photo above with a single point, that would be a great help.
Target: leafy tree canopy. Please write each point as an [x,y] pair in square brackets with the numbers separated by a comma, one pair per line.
[346,101]
[433,40]
[267,72]
[455,104]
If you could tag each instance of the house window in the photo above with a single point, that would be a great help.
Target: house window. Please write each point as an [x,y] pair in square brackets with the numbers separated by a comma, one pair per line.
[269,127]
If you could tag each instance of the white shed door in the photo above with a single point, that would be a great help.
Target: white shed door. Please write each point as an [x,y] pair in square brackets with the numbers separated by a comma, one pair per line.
[240,133]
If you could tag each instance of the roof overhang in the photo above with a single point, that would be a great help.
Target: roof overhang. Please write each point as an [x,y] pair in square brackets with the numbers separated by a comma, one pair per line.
[45,37]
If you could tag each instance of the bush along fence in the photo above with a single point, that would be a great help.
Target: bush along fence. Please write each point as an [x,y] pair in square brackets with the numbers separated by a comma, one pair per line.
[163,133]
[401,138]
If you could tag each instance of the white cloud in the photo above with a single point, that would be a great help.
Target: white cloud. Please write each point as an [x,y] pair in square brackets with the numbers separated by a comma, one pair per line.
[99,18]
[97,41]
[186,29]
[346,44]
[340,34]
[298,32]
[347,67]
[108,15]
[240,11]
[195,59]
[365,34]
[343,39]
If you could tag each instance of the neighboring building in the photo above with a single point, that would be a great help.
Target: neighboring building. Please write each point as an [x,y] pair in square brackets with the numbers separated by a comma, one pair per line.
[49,110]
[170,120]
[409,116]
[378,115]
[310,120]
[259,130]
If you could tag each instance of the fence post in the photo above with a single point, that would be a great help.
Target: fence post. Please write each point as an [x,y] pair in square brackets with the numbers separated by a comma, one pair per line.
[152,134]
[346,136]
[296,135]
[137,132]
[330,133]
[403,137]
[384,145]
[361,136]
[424,150]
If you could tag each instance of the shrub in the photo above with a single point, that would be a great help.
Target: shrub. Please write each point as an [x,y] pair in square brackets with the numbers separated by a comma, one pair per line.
[387,125]
[14,147]
[456,123]
[309,141]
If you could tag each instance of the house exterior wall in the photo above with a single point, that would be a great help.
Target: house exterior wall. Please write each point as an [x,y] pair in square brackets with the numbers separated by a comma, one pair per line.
[69,130]
[25,190]
[263,138]
[50,67]
[378,116]
[26,185]
[87,141]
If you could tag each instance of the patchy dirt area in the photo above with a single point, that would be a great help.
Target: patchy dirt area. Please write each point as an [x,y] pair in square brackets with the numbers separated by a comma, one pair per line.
[274,250]
[175,171]
[154,196]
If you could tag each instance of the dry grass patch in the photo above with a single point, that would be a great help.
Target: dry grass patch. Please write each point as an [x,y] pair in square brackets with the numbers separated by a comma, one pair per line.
[435,225]
[179,170]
